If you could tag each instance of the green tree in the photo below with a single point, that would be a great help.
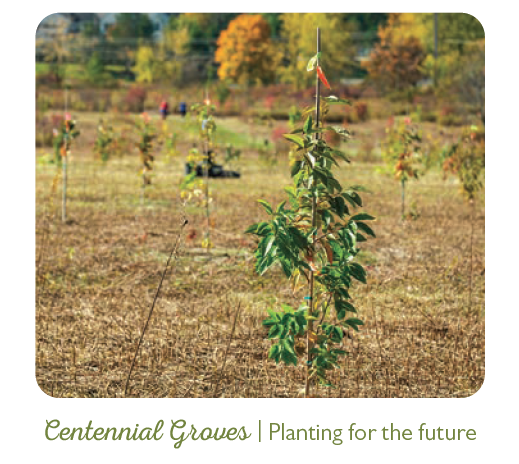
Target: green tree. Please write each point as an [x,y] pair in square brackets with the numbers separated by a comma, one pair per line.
[95,70]
[274,20]
[203,29]
[132,26]
[172,51]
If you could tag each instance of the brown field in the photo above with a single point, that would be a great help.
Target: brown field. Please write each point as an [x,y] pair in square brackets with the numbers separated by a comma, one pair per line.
[97,275]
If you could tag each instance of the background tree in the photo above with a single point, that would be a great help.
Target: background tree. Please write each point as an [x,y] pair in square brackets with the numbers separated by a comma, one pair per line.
[274,20]
[172,52]
[460,39]
[396,62]
[146,64]
[466,160]
[129,31]
[366,22]
[56,50]
[95,70]
[130,26]
[402,154]
[203,29]
[245,51]
[455,30]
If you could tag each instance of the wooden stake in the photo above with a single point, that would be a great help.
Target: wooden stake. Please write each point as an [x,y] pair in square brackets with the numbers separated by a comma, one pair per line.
[309,343]
[64,196]
[403,198]
[472,206]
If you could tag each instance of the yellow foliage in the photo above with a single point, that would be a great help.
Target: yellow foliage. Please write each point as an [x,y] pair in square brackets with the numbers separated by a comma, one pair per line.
[299,32]
[245,51]
[146,64]
[173,48]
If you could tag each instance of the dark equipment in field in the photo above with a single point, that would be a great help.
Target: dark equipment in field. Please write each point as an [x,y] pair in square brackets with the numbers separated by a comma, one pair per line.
[215,170]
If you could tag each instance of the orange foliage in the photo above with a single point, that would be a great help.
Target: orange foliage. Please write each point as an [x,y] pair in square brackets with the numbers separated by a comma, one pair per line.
[245,51]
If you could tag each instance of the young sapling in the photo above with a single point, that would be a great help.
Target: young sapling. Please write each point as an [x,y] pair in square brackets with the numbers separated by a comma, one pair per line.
[145,146]
[63,138]
[401,153]
[314,239]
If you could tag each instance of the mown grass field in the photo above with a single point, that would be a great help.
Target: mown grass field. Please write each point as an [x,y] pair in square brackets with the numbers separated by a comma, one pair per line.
[97,276]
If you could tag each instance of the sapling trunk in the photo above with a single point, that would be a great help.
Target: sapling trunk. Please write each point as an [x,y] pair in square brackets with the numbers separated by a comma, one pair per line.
[206,187]
[143,186]
[403,197]
[309,333]
[472,205]
[64,193]
[64,169]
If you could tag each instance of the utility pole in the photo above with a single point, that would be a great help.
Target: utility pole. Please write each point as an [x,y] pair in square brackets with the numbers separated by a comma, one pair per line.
[435,78]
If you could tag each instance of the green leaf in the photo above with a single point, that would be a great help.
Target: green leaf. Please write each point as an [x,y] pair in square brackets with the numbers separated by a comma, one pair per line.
[360,188]
[341,131]
[353,198]
[299,141]
[361,238]
[266,205]
[288,357]
[280,207]
[274,350]
[252,229]
[339,352]
[354,323]
[296,167]
[308,125]
[365,228]
[269,244]
[357,271]
[275,331]
[313,62]
[362,217]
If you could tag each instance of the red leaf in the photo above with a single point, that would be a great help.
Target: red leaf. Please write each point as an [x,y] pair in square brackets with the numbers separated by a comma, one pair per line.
[321,75]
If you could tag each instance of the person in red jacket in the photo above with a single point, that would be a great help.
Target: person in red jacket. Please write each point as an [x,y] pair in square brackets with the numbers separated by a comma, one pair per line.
[164,109]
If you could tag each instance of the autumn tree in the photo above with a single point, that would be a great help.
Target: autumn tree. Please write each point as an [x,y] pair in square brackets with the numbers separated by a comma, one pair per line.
[396,62]
[460,43]
[298,33]
[146,64]
[245,51]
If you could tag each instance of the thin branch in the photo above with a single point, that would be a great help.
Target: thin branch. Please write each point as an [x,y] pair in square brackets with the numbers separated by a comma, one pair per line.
[173,251]
[227,350]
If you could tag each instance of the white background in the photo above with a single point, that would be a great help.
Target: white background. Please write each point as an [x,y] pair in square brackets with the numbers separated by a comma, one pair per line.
[25,408]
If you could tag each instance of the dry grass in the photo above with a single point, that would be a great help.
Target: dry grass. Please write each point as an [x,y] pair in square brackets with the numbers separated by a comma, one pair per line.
[97,275]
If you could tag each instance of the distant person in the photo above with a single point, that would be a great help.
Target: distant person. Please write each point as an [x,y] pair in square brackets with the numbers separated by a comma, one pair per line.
[164,109]
[183,108]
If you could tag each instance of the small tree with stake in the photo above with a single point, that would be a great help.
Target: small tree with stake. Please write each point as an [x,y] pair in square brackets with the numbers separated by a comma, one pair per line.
[104,141]
[401,153]
[145,146]
[466,160]
[62,144]
[191,186]
[315,241]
